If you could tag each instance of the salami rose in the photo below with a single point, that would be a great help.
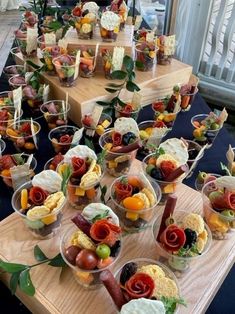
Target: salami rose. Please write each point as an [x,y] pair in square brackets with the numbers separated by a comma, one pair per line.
[122,190]
[29,92]
[6,162]
[226,200]
[173,238]
[127,110]
[159,124]
[116,138]
[37,195]
[79,167]
[65,139]
[167,167]
[105,232]
[159,106]
[139,285]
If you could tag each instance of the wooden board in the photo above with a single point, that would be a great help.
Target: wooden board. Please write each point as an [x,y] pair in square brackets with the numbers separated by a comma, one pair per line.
[84,94]
[59,293]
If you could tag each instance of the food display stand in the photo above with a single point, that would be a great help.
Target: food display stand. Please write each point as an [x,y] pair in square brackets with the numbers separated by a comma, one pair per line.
[57,290]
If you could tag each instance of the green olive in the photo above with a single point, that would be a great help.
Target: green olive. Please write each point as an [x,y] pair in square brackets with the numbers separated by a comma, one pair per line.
[228,213]
[201,176]
[103,251]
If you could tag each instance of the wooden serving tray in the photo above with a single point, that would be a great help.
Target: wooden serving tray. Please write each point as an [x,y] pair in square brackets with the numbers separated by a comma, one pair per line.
[58,293]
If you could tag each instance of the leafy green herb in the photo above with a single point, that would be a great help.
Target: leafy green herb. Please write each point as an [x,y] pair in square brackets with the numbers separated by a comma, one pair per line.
[188,252]
[171,303]
[139,64]
[66,174]
[100,216]
[55,25]
[124,180]
[103,190]
[20,273]
[159,151]
[225,168]
[89,143]
[18,159]
[118,75]
[101,157]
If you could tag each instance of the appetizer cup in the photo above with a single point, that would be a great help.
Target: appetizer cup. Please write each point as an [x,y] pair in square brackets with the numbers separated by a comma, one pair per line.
[7,118]
[53,162]
[193,150]
[109,26]
[20,134]
[88,279]
[203,178]
[61,138]
[55,113]
[12,70]
[22,43]
[201,134]
[44,227]
[167,117]
[165,54]
[134,213]
[181,260]
[104,122]
[220,221]
[127,111]
[16,81]
[6,99]
[116,164]
[66,72]
[145,56]
[187,99]
[15,53]
[159,273]
[87,66]
[167,188]
[84,27]
[141,35]
[6,173]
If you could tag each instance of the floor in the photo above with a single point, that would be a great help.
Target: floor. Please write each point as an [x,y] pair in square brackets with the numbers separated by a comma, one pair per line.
[9,21]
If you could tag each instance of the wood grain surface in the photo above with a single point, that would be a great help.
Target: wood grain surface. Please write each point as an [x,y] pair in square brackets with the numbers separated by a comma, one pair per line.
[57,292]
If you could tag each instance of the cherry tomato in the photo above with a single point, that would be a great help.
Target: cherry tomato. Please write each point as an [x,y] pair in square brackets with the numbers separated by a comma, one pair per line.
[133,203]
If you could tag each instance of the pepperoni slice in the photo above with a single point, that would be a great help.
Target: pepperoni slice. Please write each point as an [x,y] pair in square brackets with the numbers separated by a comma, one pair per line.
[6,162]
[139,285]
[173,238]
[122,190]
[117,138]
[105,232]
[37,195]
[79,166]
[226,200]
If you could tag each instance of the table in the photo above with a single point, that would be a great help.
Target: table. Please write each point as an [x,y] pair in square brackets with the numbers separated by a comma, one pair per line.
[58,292]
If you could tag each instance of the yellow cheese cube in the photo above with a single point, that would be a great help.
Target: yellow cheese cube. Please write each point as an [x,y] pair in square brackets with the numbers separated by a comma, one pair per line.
[100,130]
[169,188]
[49,219]
[84,277]
[217,224]
[112,164]
[105,124]
[161,116]
[79,192]
[132,216]
[108,146]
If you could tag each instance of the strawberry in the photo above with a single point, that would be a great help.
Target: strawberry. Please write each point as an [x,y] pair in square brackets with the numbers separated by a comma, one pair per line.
[87,120]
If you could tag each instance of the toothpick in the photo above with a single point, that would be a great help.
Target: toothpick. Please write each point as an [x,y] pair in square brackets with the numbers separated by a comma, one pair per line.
[96,53]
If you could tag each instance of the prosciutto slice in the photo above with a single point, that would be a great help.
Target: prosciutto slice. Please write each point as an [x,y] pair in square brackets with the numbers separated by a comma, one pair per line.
[225,201]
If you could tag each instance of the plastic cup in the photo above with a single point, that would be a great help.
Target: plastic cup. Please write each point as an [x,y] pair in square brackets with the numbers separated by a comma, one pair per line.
[206,136]
[95,132]
[109,35]
[116,164]
[59,118]
[176,263]
[193,150]
[14,83]
[44,228]
[107,57]
[199,185]
[145,57]
[164,56]
[84,27]
[61,138]
[19,69]
[167,117]
[2,146]
[22,43]
[187,100]
[122,14]
[15,53]
[133,220]
[7,118]
[222,227]
[167,188]
[141,35]
[120,112]
[6,174]
[87,66]
[140,262]
[146,130]
[65,72]
[53,162]
[87,279]
[24,143]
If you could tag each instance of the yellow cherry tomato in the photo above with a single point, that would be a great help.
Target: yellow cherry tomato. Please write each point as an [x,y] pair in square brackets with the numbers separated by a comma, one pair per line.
[133,203]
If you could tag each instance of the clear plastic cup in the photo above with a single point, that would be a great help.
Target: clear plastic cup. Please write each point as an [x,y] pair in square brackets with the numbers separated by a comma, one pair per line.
[44,228]
[6,99]
[7,118]
[8,72]
[107,57]
[141,35]
[135,220]
[88,279]
[87,66]
[95,132]
[122,112]
[22,43]
[66,73]
[145,57]
[202,135]
[61,138]
[164,54]
[167,188]
[2,146]
[222,226]
[6,174]
[176,263]
[143,262]
[16,81]
[15,52]
[84,27]
[24,143]
[116,164]
[187,100]
[199,185]
[57,116]
[167,117]
[53,162]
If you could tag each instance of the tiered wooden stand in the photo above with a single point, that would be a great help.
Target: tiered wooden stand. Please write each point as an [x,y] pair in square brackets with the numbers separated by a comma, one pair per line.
[85,93]
[58,293]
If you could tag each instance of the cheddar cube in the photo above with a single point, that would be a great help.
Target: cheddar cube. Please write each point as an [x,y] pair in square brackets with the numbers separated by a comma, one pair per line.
[169,188]
[79,192]
[105,123]
[217,224]
[132,216]
[112,164]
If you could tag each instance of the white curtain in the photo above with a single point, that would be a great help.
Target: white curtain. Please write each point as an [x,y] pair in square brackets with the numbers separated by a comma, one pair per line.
[9,5]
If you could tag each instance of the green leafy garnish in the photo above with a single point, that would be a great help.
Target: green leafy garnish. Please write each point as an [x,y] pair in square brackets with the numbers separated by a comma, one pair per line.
[225,168]
[100,216]
[159,151]
[171,303]
[89,143]
[188,252]
[103,190]
[66,174]
[101,157]
[18,159]
[20,273]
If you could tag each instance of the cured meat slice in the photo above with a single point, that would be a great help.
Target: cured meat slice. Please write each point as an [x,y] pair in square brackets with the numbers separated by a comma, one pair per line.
[37,195]
[105,232]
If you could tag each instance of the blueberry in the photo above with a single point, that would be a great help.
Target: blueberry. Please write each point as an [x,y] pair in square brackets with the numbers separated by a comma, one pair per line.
[192,153]
[115,248]
[128,270]
[156,174]
[191,238]
[128,138]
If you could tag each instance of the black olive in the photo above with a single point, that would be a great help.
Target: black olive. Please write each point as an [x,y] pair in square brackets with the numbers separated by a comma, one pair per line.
[128,270]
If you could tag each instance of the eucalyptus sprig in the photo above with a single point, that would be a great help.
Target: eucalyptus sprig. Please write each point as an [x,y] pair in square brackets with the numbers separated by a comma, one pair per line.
[20,273]
[127,76]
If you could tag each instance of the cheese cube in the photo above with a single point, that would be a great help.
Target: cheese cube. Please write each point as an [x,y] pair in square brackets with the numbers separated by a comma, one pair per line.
[105,124]
[79,192]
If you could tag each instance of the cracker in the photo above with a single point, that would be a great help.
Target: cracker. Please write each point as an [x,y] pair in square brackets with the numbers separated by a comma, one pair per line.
[194,222]
[153,271]
[80,239]
[165,157]
[165,287]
